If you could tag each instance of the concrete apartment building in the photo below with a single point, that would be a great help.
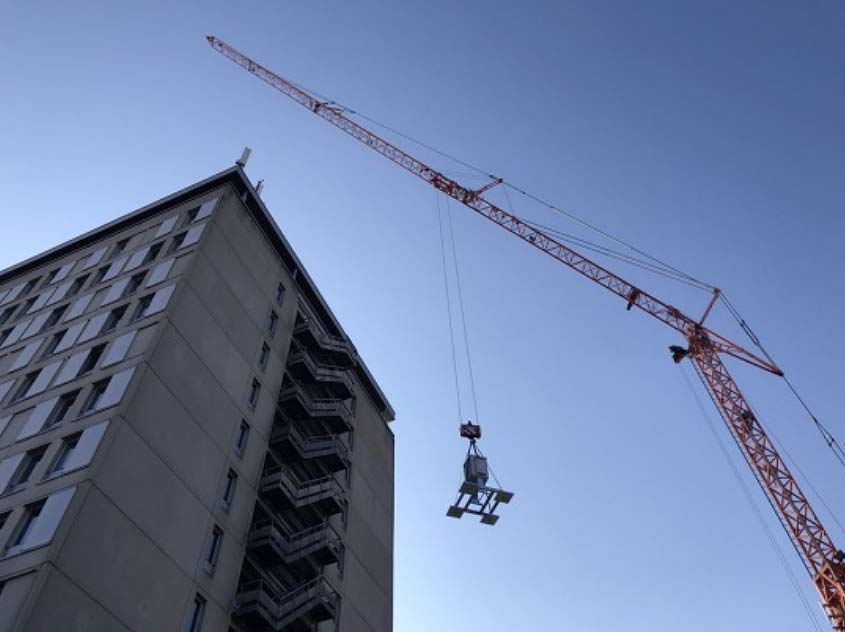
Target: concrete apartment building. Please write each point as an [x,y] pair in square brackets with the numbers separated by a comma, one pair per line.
[188,439]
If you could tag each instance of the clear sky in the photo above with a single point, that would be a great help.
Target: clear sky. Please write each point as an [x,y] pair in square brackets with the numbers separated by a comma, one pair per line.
[710,134]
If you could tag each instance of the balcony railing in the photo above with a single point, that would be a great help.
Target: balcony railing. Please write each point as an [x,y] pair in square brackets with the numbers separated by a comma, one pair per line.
[277,543]
[307,327]
[335,412]
[313,601]
[292,442]
[303,363]
[324,493]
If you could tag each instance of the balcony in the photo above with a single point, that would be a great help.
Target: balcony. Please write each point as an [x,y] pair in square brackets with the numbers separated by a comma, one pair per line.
[306,365]
[284,489]
[293,444]
[311,334]
[304,550]
[258,605]
[334,412]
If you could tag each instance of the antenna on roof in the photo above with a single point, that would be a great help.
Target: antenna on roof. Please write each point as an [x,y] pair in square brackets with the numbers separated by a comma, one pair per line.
[241,162]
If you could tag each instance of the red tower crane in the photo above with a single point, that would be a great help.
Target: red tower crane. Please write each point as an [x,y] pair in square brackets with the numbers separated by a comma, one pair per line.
[705,348]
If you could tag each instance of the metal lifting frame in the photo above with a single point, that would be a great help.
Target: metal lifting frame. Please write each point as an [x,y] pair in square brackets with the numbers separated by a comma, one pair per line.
[822,559]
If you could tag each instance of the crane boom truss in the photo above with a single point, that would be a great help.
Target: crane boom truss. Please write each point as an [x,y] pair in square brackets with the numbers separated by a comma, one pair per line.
[821,558]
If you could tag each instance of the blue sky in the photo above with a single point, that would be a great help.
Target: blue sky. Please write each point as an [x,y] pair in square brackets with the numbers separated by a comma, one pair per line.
[709,134]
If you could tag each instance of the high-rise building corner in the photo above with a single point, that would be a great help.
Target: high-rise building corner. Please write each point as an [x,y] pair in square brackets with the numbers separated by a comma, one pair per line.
[189,440]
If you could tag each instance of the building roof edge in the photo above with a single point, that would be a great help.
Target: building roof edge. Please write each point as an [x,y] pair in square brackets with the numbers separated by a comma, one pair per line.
[236,177]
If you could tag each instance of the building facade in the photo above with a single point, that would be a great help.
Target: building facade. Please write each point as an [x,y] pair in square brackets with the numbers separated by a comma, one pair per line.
[188,439]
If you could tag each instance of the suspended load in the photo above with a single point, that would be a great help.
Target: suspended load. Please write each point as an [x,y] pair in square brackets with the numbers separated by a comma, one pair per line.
[475,496]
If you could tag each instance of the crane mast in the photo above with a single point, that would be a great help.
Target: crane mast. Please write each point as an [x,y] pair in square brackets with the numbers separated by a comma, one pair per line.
[823,561]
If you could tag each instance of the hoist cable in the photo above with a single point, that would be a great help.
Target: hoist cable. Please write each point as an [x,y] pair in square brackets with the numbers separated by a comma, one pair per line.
[507,185]
[615,254]
[463,314]
[604,233]
[750,498]
[486,174]
[449,309]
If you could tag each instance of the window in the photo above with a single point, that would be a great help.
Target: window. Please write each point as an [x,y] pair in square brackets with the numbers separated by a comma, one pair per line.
[152,253]
[212,551]
[241,437]
[70,337]
[229,489]
[280,294]
[166,226]
[77,450]
[92,328]
[95,396]
[5,387]
[55,339]
[76,286]
[30,515]
[143,256]
[99,275]
[53,318]
[107,392]
[273,323]
[118,248]
[30,461]
[115,268]
[142,307]
[6,314]
[95,258]
[152,303]
[30,285]
[205,209]
[34,304]
[25,356]
[60,410]
[50,277]
[26,383]
[263,356]
[119,349]
[160,272]
[43,377]
[13,294]
[194,620]
[134,283]
[80,364]
[62,273]
[28,305]
[91,359]
[193,235]
[79,306]
[113,318]
[65,451]
[11,336]
[190,216]
[176,243]
[36,326]
[254,392]
[39,522]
